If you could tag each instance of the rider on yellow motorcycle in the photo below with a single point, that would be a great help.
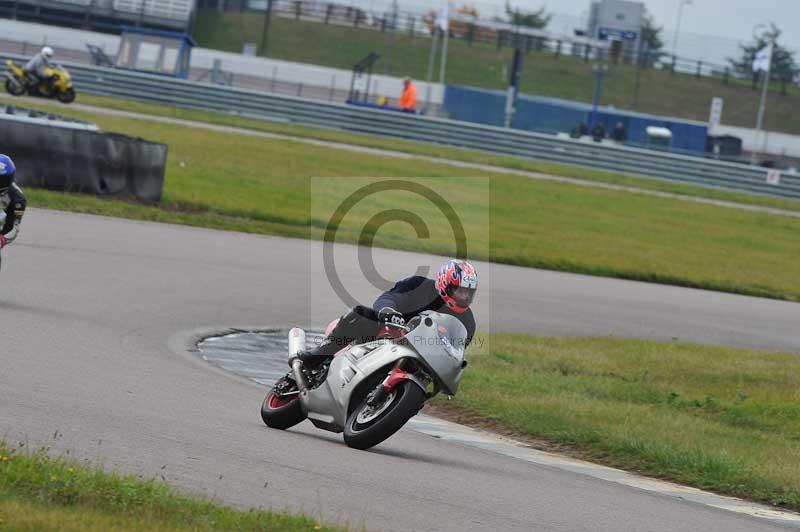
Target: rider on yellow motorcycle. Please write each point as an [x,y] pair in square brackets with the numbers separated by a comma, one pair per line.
[37,68]
[40,77]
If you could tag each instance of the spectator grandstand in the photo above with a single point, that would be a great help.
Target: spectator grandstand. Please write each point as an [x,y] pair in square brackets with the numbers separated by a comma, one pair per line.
[103,15]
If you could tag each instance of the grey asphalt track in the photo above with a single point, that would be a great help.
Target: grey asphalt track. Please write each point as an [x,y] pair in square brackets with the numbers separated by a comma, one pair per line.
[98,314]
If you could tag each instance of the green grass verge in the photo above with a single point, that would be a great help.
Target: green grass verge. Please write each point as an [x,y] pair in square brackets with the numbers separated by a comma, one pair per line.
[39,493]
[445,152]
[430,150]
[238,182]
[721,419]
[483,65]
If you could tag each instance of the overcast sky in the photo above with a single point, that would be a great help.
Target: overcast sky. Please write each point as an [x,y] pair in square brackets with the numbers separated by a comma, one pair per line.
[711,30]
[733,19]
[725,18]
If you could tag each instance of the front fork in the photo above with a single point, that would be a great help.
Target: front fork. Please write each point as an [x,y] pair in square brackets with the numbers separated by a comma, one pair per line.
[395,377]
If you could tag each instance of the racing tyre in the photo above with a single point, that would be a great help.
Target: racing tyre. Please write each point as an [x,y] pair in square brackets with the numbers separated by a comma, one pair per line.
[68,96]
[15,89]
[368,426]
[280,413]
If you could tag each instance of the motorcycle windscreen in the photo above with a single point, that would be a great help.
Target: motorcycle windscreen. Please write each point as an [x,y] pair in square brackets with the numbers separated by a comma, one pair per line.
[440,340]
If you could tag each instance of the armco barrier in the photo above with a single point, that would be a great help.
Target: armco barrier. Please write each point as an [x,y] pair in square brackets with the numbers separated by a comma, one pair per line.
[81,160]
[674,167]
[20,114]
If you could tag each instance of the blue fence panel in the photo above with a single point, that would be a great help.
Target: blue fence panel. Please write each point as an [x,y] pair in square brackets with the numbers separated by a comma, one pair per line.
[553,115]
[534,115]
[475,105]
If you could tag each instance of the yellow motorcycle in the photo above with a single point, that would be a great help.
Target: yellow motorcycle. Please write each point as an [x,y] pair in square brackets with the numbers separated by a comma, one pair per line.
[59,85]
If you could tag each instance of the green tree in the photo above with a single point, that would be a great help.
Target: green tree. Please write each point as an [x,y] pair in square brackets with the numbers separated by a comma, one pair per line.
[531,19]
[782,67]
[652,45]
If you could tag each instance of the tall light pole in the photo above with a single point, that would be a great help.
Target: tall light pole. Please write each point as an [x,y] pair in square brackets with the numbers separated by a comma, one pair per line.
[600,71]
[681,3]
[431,61]
[265,31]
[445,20]
[762,104]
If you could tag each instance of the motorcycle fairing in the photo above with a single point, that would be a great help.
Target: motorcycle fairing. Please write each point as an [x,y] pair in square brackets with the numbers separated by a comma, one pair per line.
[327,406]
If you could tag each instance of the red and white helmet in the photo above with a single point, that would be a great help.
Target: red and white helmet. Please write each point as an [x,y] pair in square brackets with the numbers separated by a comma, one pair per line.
[457,283]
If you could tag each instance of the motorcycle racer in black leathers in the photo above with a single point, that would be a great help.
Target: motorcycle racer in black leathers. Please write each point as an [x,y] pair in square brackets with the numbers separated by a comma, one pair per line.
[12,202]
[450,293]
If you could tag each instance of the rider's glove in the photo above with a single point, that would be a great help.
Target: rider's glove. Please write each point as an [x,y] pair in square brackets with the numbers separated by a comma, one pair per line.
[3,241]
[391,316]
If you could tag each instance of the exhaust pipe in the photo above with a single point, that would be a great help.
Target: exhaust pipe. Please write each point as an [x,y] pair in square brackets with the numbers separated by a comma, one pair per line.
[299,378]
[297,342]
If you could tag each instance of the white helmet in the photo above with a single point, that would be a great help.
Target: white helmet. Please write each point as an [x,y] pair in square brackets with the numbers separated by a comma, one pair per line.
[47,52]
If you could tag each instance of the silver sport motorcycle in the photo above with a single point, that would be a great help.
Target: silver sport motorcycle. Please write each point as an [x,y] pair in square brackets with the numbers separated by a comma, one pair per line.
[369,391]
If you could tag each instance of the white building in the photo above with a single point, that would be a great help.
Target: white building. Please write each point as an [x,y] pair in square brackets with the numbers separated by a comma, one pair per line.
[618,21]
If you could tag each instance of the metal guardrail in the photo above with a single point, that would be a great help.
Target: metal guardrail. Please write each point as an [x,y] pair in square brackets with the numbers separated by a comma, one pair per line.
[648,163]
[12,113]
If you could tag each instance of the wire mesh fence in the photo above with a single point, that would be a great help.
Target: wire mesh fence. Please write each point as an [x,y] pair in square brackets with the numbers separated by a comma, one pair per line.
[479,54]
[479,51]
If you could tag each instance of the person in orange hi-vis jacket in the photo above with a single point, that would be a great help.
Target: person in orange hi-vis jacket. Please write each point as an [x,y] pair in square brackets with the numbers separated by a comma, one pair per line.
[408,100]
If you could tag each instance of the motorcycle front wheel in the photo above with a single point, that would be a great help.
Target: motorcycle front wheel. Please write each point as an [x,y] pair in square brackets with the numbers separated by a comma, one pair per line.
[68,96]
[15,89]
[281,412]
[368,426]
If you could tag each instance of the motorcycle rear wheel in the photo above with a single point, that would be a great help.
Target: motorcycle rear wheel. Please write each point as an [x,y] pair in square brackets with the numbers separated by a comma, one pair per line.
[365,429]
[280,413]
[15,89]
[68,96]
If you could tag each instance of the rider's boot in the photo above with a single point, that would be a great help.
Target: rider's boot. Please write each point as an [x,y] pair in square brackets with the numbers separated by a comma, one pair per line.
[358,325]
[324,351]
[31,82]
